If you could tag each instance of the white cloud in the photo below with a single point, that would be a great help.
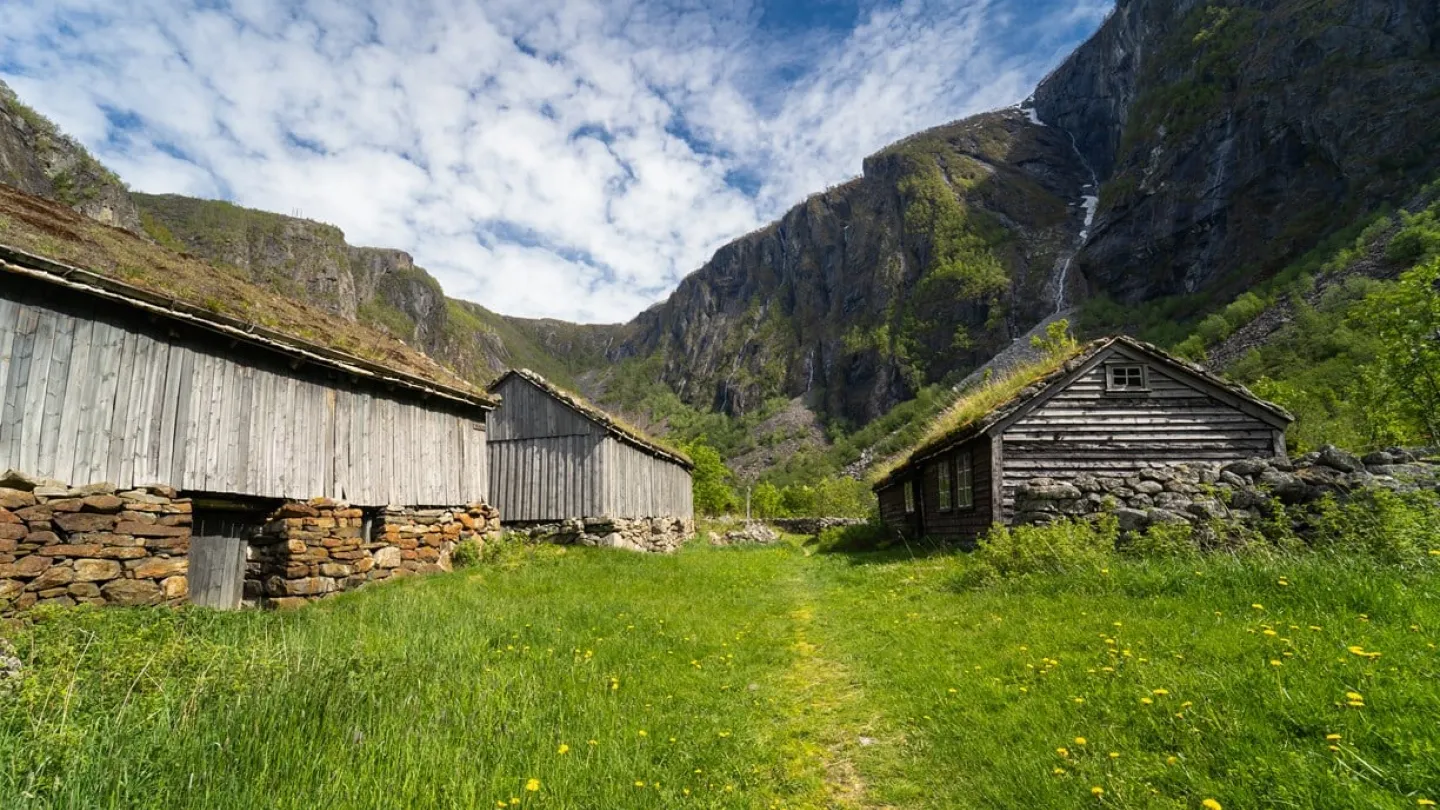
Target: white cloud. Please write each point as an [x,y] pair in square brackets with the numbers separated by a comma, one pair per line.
[549,158]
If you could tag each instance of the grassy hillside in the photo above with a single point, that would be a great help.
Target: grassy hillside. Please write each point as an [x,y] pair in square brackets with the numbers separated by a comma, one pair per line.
[578,678]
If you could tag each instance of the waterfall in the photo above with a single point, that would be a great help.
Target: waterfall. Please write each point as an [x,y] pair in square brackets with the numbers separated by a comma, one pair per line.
[1089,201]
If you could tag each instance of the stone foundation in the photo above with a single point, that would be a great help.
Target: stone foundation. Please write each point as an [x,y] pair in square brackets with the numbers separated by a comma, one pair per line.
[657,534]
[309,550]
[64,546]
[1240,491]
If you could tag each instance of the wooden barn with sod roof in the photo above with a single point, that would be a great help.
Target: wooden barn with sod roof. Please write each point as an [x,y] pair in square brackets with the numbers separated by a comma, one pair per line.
[566,469]
[135,417]
[1112,407]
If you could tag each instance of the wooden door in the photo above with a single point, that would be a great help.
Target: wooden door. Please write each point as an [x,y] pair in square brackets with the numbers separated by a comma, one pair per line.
[217,571]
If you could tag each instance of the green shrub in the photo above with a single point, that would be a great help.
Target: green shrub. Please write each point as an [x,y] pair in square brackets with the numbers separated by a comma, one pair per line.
[1389,527]
[869,536]
[467,553]
[1065,546]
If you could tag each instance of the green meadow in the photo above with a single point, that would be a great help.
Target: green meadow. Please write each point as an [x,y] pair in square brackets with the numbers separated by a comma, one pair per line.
[753,678]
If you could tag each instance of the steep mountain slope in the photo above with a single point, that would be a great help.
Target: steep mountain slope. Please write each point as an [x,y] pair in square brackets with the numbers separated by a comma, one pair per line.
[38,159]
[936,257]
[383,288]
[1233,136]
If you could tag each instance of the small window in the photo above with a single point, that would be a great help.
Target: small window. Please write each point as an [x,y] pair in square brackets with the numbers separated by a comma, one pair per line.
[964,482]
[942,475]
[909,497]
[1126,378]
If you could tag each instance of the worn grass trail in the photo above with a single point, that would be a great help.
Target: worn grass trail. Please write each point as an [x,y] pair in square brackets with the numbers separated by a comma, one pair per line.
[751,678]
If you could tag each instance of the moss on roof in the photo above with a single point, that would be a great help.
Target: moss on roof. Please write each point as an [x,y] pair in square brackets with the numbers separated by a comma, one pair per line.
[52,231]
[614,424]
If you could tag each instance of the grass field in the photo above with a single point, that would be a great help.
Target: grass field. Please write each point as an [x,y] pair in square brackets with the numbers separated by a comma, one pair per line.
[752,678]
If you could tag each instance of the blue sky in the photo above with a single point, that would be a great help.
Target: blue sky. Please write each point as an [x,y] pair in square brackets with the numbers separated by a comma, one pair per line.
[545,158]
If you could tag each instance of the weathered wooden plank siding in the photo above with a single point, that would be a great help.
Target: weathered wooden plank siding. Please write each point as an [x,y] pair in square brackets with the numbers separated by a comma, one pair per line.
[534,480]
[639,485]
[88,396]
[957,524]
[528,412]
[1082,430]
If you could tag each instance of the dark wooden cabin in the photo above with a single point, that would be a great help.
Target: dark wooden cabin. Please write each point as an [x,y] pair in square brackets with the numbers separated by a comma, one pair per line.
[555,456]
[1113,408]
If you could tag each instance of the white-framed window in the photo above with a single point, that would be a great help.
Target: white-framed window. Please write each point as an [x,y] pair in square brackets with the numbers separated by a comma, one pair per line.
[964,481]
[942,476]
[1126,377]
[909,497]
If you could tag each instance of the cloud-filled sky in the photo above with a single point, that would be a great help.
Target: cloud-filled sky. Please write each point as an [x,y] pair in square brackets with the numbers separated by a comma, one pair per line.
[545,158]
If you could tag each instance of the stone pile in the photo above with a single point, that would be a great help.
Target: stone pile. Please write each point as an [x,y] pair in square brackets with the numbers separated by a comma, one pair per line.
[64,546]
[1239,491]
[812,526]
[659,534]
[308,550]
[750,533]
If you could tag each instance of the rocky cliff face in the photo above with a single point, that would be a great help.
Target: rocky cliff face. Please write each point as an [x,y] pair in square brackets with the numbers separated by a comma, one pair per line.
[38,159]
[1231,136]
[936,257]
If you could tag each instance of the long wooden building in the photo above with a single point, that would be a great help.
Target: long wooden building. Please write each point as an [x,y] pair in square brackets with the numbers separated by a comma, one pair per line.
[101,381]
[1116,406]
[556,457]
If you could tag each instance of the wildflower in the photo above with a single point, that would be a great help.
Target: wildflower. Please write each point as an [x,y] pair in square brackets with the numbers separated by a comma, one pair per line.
[1171,760]
[1332,737]
[954,691]
[1078,699]
[1146,701]
[1425,802]
[724,734]
[1161,692]
[642,733]
[1064,752]
[1210,804]
[1079,740]
[1282,581]
[532,785]
[592,742]
[1058,771]
[1356,649]
[1274,662]
[1258,606]
[1317,628]
[1097,791]
[1354,696]
[1435,552]
[639,783]
[1269,632]
[1114,754]
[563,749]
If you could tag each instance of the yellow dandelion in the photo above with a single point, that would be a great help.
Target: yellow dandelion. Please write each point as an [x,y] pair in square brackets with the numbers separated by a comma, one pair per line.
[1078,699]
[1064,752]
[501,803]
[1097,791]
[592,742]
[1058,771]
[1171,760]
[1258,606]
[642,733]
[1354,696]
[514,800]
[1079,740]
[1270,632]
[1332,737]
[1146,701]
[1114,754]
[724,734]
[1435,552]
[1160,692]
[1274,662]
[532,785]
[954,691]
[1317,628]
[563,749]
[639,783]
[1425,802]
[1210,804]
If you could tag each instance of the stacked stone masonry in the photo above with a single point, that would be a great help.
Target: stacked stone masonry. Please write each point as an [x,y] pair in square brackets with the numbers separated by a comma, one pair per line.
[1239,491]
[62,545]
[309,550]
[655,534]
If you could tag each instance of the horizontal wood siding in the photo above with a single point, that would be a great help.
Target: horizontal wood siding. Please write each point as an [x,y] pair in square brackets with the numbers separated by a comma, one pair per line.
[546,478]
[526,411]
[1082,430]
[956,524]
[892,508]
[639,485]
[88,397]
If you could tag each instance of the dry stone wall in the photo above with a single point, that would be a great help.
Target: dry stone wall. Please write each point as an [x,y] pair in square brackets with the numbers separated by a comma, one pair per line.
[655,534]
[1240,491]
[309,550]
[64,546]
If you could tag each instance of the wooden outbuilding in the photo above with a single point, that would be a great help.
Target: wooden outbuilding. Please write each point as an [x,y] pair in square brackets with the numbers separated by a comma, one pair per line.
[1112,407]
[104,381]
[556,457]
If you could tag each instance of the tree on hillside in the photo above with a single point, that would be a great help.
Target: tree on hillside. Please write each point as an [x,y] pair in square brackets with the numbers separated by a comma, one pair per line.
[711,479]
[766,500]
[1405,376]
